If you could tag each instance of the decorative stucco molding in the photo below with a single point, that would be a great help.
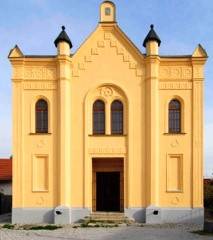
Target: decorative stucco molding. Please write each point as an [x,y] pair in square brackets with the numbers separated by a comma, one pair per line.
[17,72]
[40,86]
[107,35]
[175,143]
[40,73]
[41,143]
[175,200]
[175,72]
[198,72]
[101,43]
[106,91]
[107,150]
[108,40]
[175,85]
[40,201]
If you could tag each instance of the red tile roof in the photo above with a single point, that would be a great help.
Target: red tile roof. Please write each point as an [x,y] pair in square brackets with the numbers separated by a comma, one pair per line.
[5,169]
[208,181]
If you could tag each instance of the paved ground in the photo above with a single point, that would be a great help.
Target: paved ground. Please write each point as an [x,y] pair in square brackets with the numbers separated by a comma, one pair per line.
[158,232]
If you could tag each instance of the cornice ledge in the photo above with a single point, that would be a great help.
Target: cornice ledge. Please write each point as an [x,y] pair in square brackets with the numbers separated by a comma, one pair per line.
[64,58]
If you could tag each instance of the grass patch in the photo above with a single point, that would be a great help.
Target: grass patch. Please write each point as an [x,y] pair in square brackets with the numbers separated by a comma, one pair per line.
[45,227]
[75,226]
[202,233]
[31,227]
[83,225]
[8,226]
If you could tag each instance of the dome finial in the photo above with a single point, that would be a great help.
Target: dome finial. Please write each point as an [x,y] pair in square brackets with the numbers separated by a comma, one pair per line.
[152,36]
[63,37]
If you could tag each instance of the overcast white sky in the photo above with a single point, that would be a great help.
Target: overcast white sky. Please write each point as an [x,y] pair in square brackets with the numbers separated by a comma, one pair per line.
[34,24]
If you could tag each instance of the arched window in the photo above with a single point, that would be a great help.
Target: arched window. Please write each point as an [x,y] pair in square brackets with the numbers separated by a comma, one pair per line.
[117,117]
[107,11]
[41,116]
[98,117]
[174,116]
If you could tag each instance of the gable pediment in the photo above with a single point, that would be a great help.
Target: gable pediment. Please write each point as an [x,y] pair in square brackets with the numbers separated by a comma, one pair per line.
[111,37]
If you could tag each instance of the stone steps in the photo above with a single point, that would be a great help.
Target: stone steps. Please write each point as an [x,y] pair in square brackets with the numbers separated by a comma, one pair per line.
[107,217]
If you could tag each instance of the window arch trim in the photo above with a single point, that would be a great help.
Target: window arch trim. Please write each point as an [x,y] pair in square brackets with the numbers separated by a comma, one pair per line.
[98,118]
[117,118]
[32,129]
[175,118]
[97,93]
[41,116]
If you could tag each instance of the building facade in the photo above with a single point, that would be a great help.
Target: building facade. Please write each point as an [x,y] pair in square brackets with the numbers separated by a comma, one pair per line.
[107,129]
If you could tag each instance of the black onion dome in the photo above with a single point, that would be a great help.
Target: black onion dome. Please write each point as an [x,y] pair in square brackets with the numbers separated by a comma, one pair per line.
[151,36]
[63,37]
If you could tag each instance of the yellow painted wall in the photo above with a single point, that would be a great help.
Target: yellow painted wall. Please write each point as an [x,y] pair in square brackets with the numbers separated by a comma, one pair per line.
[107,66]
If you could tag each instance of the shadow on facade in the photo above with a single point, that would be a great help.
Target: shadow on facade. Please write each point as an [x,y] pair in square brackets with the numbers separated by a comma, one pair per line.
[5,203]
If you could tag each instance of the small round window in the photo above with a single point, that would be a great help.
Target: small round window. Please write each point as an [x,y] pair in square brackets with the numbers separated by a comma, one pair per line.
[107,11]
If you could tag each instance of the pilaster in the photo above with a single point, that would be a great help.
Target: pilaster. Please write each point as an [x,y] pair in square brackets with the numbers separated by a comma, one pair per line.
[17,131]
[197,133]
[152,129]
[64,96]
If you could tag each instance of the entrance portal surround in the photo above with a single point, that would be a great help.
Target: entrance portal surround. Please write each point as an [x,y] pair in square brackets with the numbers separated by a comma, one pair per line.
[107,171]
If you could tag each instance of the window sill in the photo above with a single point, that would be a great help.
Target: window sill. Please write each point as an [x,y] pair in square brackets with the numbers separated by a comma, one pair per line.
[40,191]
[174,133]
[107,135]
[40,133]
[174,191]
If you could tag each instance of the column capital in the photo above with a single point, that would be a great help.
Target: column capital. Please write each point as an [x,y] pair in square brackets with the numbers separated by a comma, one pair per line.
[63,58]
[152,59]
[198,72]
[64,68]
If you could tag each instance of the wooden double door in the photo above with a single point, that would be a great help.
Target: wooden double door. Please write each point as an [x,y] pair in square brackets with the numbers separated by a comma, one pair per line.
[108,185]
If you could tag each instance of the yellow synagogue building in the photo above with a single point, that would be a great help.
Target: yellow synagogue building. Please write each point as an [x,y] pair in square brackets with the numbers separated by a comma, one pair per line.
[107,129]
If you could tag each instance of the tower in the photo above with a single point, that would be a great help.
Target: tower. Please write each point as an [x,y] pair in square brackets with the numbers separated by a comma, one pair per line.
[152,42]
[107,12]
[63,43]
